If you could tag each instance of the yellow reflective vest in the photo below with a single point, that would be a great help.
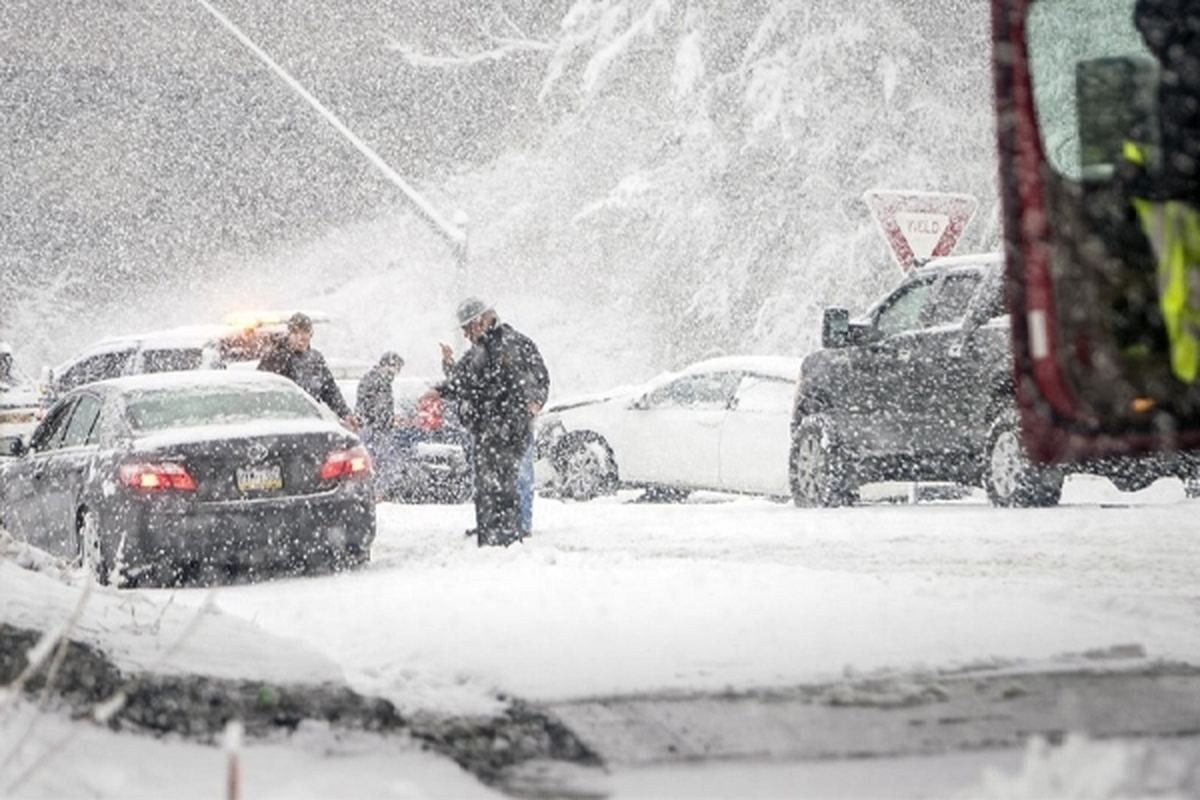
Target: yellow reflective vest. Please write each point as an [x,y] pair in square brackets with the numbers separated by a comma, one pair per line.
[1173,229]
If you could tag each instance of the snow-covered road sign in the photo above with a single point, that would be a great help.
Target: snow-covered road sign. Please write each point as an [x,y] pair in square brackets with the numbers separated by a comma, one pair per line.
[919,225]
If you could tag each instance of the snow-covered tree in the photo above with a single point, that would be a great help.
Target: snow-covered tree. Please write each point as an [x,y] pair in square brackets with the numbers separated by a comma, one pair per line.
[775,118]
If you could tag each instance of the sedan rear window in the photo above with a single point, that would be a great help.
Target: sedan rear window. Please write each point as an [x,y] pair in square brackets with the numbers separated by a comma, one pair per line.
[160,410]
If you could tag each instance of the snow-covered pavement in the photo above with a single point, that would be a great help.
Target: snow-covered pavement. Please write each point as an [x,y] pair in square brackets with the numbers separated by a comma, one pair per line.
[617,598]
[614,597]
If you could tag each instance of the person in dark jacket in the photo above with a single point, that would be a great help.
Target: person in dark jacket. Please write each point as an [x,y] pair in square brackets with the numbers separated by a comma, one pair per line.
[295,358]
[525,475]
[375,403]
[375,406]
[500,384]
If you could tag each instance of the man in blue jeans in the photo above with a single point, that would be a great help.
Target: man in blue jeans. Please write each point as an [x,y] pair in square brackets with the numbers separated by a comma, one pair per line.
[525,489]
[375,405]
[500,385]
[524,474]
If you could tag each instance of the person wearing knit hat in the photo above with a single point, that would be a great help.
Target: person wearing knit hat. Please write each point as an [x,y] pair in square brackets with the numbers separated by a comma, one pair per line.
[375,404]
[297,359]
[500,384]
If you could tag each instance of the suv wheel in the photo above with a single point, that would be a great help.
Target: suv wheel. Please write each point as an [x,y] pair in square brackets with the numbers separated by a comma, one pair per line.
[1011,479]
[820,475]
[585,466]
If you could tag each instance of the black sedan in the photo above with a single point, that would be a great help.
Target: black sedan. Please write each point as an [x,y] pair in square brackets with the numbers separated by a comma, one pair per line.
[169,478]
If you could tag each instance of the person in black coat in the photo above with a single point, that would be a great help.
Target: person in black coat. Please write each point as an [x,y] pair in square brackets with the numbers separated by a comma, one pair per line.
[500,384]
[295,358]
[375,403]
[375,406]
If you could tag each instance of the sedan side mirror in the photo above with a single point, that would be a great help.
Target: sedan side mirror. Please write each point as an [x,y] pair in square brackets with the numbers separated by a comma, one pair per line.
[835,328]
[12,446]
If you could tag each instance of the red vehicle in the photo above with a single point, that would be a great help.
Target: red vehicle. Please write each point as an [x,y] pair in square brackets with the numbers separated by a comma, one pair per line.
[427,458]
[1102,229]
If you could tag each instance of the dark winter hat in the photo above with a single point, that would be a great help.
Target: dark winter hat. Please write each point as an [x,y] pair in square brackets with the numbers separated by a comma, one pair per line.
[470,310]
[299,322]
[391,359]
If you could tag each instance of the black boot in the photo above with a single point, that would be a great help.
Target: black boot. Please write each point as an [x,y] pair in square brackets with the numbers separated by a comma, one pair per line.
[498,538]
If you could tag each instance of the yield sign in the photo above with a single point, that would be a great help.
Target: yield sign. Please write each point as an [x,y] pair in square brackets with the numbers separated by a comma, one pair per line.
[920,225]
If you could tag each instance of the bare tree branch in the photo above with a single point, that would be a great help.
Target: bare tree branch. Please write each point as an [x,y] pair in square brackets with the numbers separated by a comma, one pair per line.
[512,26]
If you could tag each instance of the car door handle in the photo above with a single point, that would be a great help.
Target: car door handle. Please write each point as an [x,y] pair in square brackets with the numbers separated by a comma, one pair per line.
[903,355]
[955,350]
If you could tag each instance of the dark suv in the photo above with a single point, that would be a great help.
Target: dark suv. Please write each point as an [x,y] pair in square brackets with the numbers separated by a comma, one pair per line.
[922,390]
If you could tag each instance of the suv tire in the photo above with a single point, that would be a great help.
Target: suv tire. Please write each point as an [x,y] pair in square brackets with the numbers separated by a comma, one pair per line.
[585,466]
[1010,478]
[820,473]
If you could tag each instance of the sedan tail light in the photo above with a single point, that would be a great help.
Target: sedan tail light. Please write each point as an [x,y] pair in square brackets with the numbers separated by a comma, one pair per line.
[346,463]
[157,475]
[429,413]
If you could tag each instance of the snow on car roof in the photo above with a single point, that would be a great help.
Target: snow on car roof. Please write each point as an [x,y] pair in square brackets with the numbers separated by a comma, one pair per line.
[197,335]
[971,260]
[190,336]
[776,366]
[185,335]
[198,379]
[783,367]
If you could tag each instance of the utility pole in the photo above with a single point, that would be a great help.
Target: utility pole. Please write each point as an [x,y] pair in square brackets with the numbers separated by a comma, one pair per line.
[454,235]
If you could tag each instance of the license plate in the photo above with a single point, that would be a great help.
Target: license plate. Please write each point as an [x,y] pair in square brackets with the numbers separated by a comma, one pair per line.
[259,478]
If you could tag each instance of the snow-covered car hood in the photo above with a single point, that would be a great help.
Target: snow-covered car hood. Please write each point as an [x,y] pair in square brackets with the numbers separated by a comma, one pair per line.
[782,366]
[630,392]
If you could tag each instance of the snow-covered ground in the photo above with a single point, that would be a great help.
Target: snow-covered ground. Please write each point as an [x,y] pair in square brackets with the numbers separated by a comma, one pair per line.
[617,597]
[612,597]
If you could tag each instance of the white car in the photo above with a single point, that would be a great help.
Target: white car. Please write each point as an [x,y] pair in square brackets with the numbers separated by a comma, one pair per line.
[240,339]
[184,348]
[722,424]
